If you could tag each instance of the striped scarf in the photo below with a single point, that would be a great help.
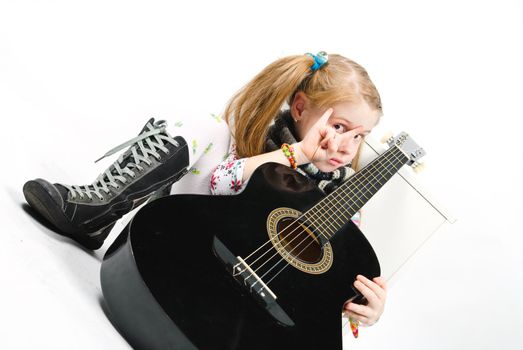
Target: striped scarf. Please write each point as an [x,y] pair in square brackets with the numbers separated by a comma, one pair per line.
[283,131]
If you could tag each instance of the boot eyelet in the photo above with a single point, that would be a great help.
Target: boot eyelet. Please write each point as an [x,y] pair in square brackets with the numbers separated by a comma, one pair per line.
[167,152]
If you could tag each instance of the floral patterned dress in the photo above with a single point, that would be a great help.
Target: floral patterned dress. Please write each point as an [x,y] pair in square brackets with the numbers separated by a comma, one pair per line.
[226,179]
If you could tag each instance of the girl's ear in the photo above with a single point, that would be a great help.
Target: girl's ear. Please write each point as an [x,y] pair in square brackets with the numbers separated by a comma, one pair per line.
[298,105]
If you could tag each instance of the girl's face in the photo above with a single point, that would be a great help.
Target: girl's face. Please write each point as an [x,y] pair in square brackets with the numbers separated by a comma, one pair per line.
[346,116]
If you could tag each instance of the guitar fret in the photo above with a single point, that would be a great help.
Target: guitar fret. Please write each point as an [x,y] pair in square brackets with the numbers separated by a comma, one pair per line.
[338,222]
[317,216]
[336,209]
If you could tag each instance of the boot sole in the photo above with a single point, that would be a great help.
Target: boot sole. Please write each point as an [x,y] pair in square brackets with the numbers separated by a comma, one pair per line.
[34,192]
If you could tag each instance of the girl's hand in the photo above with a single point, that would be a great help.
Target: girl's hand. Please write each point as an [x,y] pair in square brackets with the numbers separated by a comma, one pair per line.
[375,292]
[322,141]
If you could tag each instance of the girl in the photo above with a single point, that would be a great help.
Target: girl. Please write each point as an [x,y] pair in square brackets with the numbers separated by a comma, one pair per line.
[333,104]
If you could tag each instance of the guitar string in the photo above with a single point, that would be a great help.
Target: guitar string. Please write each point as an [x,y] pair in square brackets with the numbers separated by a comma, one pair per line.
[283,268]
[362,181]
[298,253]
[320,209]
[321,212]
[386,180]
[297,220]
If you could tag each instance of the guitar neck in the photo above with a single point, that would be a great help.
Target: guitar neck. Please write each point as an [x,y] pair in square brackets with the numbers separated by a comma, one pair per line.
[336,209]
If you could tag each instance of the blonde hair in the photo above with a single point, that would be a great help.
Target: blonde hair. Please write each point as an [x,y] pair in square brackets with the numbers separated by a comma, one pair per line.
[252,109]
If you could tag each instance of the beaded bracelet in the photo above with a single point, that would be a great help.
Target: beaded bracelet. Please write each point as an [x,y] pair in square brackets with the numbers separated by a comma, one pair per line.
[288,151]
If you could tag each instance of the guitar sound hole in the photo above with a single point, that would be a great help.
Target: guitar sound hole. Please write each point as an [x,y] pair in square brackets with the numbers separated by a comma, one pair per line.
[299,241]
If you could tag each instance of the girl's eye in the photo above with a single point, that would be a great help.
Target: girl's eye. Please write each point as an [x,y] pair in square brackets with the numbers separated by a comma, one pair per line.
[339,128]
[358,137]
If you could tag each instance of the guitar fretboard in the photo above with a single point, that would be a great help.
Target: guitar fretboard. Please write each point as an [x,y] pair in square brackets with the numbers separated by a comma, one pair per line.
[336,209]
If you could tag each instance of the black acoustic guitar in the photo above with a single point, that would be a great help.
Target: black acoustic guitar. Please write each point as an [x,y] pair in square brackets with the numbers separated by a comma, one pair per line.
[269,268]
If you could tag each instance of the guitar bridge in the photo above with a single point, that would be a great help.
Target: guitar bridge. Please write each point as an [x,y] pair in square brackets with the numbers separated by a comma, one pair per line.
[242,273]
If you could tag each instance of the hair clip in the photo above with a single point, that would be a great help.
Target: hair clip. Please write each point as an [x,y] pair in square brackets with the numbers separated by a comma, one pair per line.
[319,60]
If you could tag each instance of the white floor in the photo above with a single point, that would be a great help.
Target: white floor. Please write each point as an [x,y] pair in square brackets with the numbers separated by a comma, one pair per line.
[51,297]
[77,80]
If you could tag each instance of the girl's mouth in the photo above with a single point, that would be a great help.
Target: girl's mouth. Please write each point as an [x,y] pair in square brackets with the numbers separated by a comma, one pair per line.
[335,161]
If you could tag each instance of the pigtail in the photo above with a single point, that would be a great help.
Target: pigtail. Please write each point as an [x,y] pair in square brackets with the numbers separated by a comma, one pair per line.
[251,110]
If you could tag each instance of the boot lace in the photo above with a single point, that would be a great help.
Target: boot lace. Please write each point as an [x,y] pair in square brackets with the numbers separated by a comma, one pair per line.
[148,143]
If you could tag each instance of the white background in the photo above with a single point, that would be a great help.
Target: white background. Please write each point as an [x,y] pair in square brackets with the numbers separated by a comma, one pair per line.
[78,78]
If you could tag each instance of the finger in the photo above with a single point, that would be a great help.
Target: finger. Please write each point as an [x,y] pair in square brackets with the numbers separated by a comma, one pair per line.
[324,143]
[362,313]
[368,293]
[329,134]
[359,309]
[364,320]
[323,119]
[357,130]
[324,130]
[357,317]
[376,288]
[332,145]
[353,132]
[380,281]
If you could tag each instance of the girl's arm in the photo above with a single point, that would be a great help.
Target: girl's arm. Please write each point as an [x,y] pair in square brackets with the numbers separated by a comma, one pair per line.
[315,146]
[226,179]
[303,151]
[276,156]
[231,176]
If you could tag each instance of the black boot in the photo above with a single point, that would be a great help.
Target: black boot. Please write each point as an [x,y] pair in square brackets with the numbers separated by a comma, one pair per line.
[87,213]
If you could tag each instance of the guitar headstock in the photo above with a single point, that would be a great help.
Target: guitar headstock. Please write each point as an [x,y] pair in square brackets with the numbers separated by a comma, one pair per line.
[409,147]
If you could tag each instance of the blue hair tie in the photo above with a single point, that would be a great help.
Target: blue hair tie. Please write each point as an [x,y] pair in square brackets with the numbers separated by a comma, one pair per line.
[319,60]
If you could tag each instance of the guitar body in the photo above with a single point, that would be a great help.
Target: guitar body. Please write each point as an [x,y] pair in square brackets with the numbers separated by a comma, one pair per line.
[166,286]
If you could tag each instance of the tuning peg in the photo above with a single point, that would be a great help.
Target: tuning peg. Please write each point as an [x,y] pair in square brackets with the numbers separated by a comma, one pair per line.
[418,167]
[386,137]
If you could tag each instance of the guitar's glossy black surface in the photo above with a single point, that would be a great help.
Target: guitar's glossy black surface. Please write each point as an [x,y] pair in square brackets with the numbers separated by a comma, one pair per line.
[165,288]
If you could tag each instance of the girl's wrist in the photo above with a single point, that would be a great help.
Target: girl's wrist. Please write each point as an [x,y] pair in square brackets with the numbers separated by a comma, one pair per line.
[301,158]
